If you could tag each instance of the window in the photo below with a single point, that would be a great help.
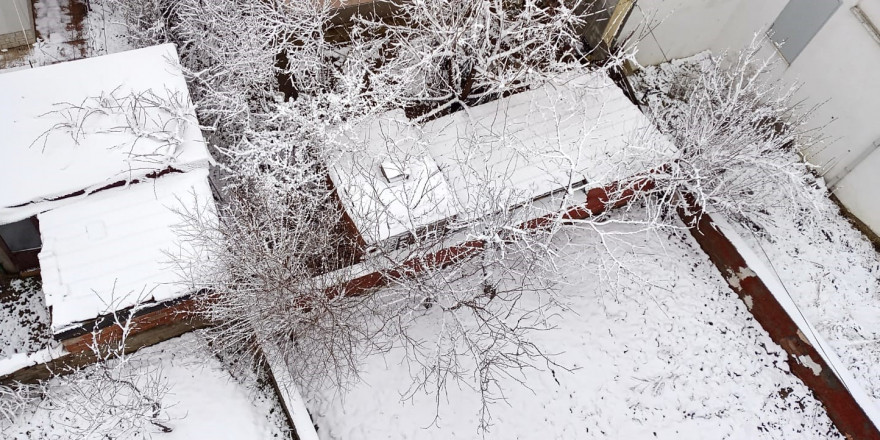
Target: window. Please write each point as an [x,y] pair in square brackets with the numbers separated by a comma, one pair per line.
[798,23]
[21,236]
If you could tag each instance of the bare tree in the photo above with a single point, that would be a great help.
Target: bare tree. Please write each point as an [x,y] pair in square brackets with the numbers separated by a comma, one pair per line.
[159,119]
[460,245]
[235,52]
[268,252]
[440,55]
[116,397]
[738,130]
[15,400]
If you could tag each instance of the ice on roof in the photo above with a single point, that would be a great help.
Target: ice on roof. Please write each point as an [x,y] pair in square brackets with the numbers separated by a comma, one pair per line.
[83,124]
[114,248]
[579,131]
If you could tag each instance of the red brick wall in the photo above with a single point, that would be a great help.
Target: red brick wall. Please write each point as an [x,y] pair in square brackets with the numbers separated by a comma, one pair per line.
[842,408]
[174,314]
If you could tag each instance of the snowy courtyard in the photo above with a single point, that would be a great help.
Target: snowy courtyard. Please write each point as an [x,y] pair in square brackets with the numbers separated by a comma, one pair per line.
[688,362]
[439,219]
[203,401]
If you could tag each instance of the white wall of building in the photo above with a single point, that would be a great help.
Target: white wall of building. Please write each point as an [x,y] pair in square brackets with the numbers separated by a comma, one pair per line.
[839,69]
[678,28]
[11,11]
[16,23]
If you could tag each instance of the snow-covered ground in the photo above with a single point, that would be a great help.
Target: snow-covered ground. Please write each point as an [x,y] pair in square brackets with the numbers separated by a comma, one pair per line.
[24,320]
[828,268]
[66,31]
[204,400]
[673,355]
[25,337]
[832,272]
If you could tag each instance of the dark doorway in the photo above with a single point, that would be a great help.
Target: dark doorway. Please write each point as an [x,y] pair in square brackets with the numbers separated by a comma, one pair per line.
[20,242]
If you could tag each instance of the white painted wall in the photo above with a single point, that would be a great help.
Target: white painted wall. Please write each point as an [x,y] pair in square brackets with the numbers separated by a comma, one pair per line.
[11,11]
[679,28]
[839,69]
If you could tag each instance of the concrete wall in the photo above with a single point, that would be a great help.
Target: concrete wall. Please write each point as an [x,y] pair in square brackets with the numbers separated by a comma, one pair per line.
[839,69]
[670,29]
[16,23]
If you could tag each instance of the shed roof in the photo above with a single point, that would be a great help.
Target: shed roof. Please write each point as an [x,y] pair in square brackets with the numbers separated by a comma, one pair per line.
[383,208]
[577,129]
[84,124]
[118,247]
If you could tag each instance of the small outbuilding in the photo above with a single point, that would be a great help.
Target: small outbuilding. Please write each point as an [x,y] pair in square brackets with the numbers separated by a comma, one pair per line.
[101,158]
[397,179]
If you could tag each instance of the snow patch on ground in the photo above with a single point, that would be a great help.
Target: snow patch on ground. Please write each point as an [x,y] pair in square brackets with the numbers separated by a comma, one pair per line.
[205,401]
[24,319]
[674,356]
[736,278]
[808,362]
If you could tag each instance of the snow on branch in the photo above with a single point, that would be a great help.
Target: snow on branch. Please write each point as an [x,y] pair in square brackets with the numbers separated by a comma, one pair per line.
[149,126]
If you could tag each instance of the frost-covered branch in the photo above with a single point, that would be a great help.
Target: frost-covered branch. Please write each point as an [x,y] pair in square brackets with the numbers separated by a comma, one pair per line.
[738,130]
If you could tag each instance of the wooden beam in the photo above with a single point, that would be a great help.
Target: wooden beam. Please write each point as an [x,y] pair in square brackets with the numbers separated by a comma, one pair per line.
[615,24]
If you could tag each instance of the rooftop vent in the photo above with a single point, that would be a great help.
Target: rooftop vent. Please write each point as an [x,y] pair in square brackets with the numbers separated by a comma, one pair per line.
[394,172]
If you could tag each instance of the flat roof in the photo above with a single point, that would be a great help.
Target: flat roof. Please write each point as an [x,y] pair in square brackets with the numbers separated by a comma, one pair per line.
[579,129]
[118,247]
[67,127]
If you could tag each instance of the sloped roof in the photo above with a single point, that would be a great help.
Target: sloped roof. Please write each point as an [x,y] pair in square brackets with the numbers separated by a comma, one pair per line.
[518,148]
[84,124]
[578,129]
[380,208]
[117,247]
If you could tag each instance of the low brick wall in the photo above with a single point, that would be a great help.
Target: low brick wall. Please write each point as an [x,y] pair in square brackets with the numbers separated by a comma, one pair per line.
[150,328]
[804,360]
[597,201]
[16,39]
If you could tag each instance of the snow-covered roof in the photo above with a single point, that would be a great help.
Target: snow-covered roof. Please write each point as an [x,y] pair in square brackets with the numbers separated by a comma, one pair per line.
[114,249]
[84,124]
[381,203]
[542,140]
[581,128]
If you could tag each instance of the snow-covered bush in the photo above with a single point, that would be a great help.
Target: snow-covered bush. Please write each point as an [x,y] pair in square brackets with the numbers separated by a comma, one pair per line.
[439,54]
[15,399]
[235,52]
[738,129]
[278,232]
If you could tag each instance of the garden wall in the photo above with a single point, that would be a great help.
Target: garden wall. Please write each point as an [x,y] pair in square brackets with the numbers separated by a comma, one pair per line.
[804,359]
